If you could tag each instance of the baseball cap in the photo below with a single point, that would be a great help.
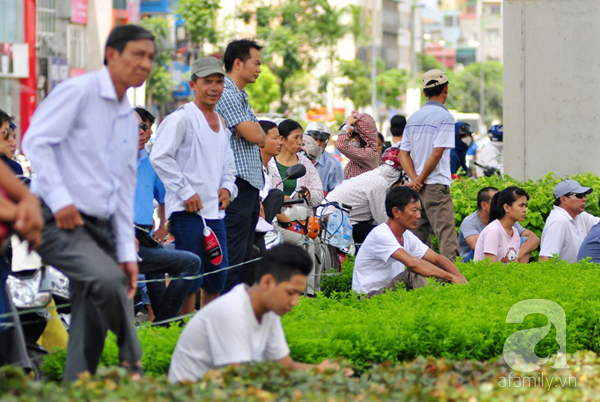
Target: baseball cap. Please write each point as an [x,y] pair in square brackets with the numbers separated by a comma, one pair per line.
[205,66]
[570,186]
[434,78]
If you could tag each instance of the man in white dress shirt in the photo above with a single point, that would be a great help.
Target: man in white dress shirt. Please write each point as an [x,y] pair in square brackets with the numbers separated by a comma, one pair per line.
[568,224]
[82,144]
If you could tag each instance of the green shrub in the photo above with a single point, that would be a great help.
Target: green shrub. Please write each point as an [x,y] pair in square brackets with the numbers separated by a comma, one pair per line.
[334,284]
[158,344]
[425,379]
[458,322]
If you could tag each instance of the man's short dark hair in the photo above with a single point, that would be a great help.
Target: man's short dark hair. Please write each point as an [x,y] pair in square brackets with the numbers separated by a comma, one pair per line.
[145,115]
[239,49]
[435,91]
[283,262]
[484,196]
[399,197]
[122,34]
[267,125]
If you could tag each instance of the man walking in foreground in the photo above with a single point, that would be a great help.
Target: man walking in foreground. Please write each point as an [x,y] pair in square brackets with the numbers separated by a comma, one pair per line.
[82,144]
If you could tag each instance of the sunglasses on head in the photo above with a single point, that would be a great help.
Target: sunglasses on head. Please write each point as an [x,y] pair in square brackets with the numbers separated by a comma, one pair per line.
[144,126]
[580,196]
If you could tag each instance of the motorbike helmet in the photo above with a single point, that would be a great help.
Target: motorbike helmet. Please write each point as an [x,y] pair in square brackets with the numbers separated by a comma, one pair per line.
[318,130]
[310,148]
[464,128]
[496,133]
[391,157]
[310,227]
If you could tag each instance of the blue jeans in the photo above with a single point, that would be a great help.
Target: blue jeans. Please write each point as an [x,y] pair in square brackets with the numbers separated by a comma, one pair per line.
[187,229]
[156,262]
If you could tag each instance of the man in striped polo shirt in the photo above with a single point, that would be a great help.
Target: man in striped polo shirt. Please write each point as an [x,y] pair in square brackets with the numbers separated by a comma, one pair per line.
[425,157]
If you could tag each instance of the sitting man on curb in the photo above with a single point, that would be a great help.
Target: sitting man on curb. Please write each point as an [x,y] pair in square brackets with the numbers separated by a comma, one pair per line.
[244,325]
[391,247]
[568,224]
[474,223]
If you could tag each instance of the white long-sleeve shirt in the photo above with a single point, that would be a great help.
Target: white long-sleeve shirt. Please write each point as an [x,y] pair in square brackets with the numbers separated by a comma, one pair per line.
[190,158]
[82,144]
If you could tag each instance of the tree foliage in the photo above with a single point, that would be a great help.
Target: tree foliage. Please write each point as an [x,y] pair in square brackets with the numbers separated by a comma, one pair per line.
[465,90]
[294,32]
[358,86]
[200,20]
[160,82]
[264,92]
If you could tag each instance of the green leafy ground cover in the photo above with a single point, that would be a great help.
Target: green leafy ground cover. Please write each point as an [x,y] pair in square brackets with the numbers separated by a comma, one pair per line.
[424,379]
[456,322]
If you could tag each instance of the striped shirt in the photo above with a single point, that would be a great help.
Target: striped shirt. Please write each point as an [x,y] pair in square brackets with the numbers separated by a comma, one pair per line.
[330,171]
[430,127]
[235,109]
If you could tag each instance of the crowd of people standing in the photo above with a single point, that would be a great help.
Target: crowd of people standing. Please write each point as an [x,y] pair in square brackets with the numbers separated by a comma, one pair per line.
[219,177]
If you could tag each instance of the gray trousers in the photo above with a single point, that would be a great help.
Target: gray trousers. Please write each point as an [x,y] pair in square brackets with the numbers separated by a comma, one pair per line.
[98,289]
[409,278]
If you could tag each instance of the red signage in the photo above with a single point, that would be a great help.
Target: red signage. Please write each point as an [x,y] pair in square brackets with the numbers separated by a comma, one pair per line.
[79,11]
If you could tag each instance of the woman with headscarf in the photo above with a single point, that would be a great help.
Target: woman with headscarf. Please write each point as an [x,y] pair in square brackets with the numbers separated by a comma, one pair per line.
[358,142]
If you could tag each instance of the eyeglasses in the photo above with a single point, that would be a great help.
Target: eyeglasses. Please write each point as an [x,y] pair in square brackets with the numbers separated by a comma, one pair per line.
[580,196]
[144,126]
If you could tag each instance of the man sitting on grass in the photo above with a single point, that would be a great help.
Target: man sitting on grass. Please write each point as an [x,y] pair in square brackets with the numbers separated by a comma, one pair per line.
[244,325]
[391,247]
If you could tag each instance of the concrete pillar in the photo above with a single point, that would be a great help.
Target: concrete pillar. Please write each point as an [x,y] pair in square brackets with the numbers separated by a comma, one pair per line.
[551,87]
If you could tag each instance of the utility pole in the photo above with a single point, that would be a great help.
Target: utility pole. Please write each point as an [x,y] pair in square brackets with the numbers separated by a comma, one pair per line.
[375,45]
[481,61]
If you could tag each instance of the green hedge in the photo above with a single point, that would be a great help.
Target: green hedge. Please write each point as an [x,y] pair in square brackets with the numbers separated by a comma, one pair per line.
[458,322]
[425,379]
[464,196]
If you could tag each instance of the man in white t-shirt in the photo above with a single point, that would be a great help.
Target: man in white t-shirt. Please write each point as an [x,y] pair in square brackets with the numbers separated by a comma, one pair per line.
[568,224]
[392,255]
[425,156]
[244,325]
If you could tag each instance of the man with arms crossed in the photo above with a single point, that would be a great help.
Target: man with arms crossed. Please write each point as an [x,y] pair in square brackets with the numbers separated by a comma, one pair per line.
[425,157]
[82,143]
[242,63]
[392,255]
[244,325]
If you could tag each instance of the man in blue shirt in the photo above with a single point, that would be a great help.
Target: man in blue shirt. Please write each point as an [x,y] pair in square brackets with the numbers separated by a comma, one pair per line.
[591,245]
[156,261]
[329,168]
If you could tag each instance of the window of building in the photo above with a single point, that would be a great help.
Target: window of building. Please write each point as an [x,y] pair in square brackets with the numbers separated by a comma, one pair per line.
[496,9]
[75,46]
[11,22]
[46,28]
[493,36]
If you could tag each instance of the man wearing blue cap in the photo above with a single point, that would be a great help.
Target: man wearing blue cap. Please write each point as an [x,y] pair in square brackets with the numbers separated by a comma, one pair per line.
[568,224]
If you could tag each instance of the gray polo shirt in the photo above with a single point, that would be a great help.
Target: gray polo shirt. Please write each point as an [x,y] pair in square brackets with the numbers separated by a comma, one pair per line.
[472,226]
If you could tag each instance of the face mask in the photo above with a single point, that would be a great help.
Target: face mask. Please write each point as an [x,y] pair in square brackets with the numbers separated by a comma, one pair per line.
[467,140]
[355,143]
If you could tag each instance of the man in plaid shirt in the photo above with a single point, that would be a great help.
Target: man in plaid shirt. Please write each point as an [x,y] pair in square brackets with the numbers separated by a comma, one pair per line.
[242,64]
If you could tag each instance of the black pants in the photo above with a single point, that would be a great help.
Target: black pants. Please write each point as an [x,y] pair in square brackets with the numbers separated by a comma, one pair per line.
[360,231]
[240,221]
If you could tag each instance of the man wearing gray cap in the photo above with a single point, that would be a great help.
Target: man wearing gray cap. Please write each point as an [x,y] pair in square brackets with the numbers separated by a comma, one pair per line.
[425,157]
[568,224]
[193,158]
